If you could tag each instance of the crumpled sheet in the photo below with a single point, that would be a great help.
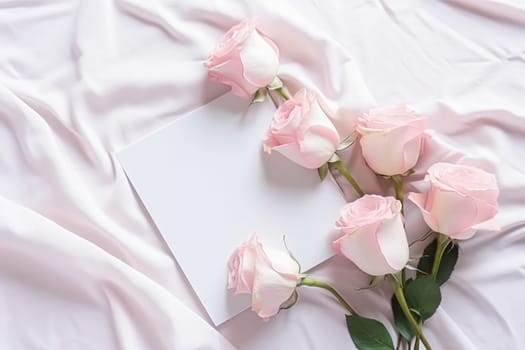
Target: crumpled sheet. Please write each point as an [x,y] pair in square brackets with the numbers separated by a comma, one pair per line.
[82,266]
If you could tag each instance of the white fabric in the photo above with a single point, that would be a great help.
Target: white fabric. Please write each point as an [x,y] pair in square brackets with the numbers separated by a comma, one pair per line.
[82,265]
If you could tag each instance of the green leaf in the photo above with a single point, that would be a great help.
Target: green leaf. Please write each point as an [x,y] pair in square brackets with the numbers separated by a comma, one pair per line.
[292,300]
[448,261]
[423,296]
[335,158]
[375,282]
[347,142]
[275,84]
[260,96]
[323,171]
[368,334]
[400,320]
[425,262]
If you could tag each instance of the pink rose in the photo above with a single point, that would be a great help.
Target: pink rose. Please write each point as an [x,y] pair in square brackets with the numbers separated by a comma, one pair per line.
[372,235]
[391,139]
[270,276]
[302,132]
[461,200]
[244,59]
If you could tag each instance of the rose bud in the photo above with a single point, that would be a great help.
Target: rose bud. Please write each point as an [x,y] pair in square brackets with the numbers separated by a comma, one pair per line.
[461,200]
[302,132]
[391,139]
[372,235]
[244,59]
[270,276]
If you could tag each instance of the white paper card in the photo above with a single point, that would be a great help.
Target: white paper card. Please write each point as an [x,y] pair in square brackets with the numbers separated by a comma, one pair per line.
[209,186]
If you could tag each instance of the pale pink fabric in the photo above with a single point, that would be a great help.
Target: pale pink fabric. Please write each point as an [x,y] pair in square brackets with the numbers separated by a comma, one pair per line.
[82,265]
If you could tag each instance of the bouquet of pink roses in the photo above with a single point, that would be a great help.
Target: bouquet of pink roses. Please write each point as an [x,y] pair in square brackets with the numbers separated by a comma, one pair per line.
[459,200]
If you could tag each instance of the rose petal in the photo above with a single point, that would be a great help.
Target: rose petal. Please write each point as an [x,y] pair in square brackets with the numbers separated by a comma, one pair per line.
[456,212]
[229,73]
[393,152]
[260,61]
[283,263]
[484,211]
[366,210]
[271,288]
[379,153]
[393,243]
[318,117]
[468,233]
[420,199]
[489,225]
[318,147]
[292,152]
[241,266]
[391,139]
[361,247]
[392,116]
[411,152]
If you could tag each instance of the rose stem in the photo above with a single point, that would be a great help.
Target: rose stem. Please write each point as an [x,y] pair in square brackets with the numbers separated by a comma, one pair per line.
[397,180]
[442,243]
[400,296]
[275,103]
[416,344]
[344,171]
[307,281]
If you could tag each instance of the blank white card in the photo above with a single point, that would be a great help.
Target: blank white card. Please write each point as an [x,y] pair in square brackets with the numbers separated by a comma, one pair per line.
[208,186]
